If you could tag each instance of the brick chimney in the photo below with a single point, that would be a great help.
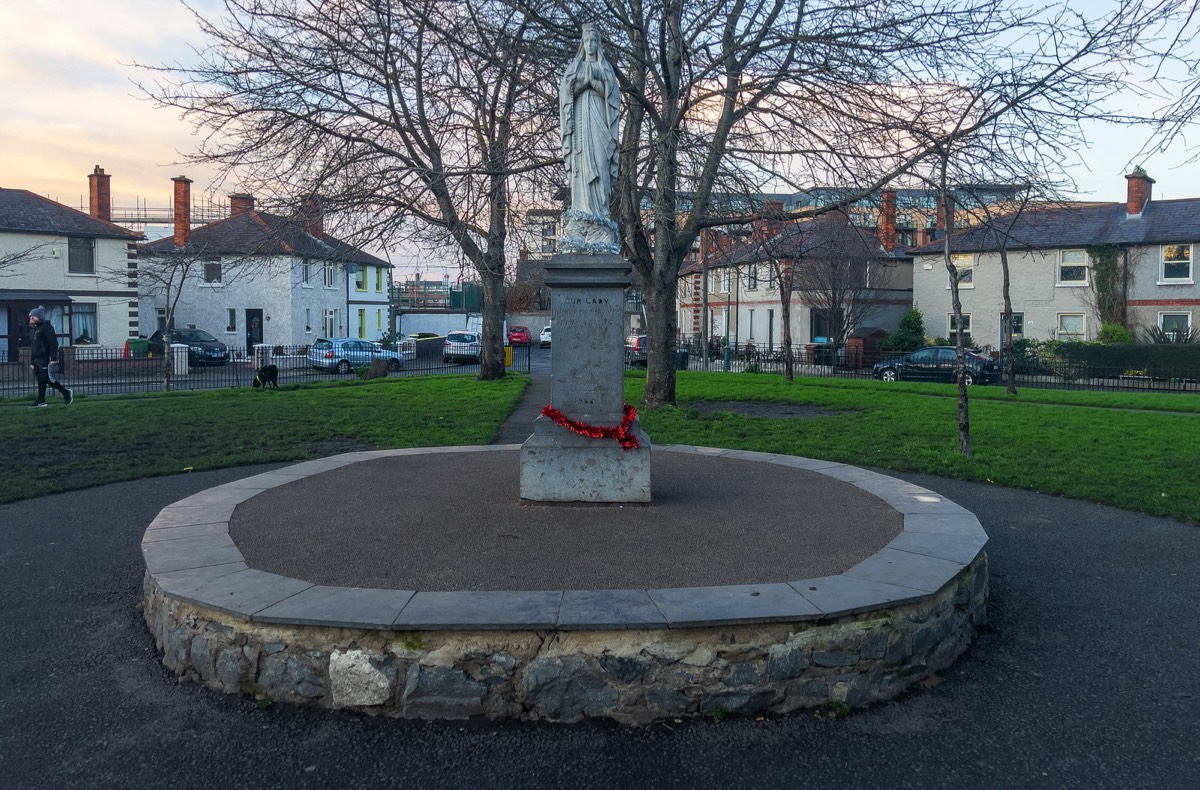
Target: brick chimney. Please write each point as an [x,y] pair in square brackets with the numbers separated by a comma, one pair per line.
[1137,191]
[99,195]
[887,221]
[314,217]
[770,222]
[240,204]
[182,207]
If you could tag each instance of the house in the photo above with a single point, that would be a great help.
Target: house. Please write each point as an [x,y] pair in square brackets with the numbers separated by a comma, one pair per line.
[256,277]
[1071,269]
[78,266]
[843,277]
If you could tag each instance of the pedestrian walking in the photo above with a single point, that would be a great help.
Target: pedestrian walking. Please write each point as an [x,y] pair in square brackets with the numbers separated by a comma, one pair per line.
[43,353]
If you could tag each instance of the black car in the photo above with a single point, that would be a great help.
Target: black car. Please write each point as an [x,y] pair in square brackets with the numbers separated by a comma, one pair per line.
[203,348]
[937,363]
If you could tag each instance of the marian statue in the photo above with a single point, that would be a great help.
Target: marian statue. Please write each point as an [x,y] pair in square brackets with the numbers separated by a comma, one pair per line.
[588,103]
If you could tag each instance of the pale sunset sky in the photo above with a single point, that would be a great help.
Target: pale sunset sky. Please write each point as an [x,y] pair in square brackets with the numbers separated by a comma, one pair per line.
[68,103]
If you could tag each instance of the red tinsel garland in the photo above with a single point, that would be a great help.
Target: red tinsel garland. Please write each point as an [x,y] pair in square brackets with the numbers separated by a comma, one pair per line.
[619,432]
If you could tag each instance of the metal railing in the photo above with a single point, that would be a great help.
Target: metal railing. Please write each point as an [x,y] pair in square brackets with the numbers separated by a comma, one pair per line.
[820,361]
[93,370]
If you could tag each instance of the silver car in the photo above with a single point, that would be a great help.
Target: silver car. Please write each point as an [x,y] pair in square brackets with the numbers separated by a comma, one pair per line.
[341,355]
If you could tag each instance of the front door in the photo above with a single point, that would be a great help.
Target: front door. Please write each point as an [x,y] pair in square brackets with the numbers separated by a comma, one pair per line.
[254,330]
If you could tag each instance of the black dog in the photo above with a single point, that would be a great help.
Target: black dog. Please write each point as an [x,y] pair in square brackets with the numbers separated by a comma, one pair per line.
[267,376]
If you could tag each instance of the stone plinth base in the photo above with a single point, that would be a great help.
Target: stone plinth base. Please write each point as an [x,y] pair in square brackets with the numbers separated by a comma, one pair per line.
[560,466]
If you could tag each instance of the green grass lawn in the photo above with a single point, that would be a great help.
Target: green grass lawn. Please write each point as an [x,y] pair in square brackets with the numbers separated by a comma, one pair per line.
[106,439]
[1133,450]
[1136,451]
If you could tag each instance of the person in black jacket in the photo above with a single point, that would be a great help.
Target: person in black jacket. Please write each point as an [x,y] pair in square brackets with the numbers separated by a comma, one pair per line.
[43,350]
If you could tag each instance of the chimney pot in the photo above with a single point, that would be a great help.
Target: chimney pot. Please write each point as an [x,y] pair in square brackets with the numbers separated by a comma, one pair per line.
[1137,191]
[99,195]
[182,206]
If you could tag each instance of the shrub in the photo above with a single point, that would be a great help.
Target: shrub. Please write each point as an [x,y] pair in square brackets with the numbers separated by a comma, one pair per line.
[1114,333]
[909,336]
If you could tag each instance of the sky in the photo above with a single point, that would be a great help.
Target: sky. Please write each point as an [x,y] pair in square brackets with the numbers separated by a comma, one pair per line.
[68,102]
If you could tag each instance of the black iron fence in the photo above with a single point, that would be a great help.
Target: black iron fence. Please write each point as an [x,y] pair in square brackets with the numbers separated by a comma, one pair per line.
[818,360]
[104,371]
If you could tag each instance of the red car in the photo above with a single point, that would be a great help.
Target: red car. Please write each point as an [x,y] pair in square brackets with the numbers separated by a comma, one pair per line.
[519,336]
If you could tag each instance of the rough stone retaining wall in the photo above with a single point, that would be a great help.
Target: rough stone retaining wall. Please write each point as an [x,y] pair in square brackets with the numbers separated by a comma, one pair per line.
[631,676]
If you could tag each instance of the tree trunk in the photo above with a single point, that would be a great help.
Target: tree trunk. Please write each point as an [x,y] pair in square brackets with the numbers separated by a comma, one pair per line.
[785,318]
[1010,364]
[661,322]
[491,363]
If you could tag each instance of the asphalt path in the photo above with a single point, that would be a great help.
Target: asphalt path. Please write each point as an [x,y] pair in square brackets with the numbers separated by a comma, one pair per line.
[1088,676]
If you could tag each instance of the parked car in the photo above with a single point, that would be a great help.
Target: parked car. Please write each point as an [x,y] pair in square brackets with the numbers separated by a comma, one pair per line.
[343,354]
[203,348]
[518,335]
[461,347]
[544,337]
[635,350]
[937,363]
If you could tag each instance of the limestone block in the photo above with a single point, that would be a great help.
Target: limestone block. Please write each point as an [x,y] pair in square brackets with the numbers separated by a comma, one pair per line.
[560,466]
[358,679]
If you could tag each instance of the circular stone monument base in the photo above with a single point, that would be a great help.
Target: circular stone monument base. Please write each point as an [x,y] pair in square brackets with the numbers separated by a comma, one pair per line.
[754,584]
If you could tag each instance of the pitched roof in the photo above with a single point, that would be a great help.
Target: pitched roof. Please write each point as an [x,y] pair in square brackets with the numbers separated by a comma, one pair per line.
[822,236]
[21,211]
[257,233]
[1161,222]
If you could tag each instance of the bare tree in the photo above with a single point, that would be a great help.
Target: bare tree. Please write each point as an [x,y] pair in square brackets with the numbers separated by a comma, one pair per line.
[784,95]
[10,260]
[411,118]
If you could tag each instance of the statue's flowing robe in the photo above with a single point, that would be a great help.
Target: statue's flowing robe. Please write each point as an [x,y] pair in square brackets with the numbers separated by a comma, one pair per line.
[589,135]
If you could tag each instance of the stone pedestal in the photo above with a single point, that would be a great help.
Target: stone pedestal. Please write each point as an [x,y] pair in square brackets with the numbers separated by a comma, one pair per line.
[587,386]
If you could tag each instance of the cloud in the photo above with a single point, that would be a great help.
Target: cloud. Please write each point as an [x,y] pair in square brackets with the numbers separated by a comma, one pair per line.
[70,102]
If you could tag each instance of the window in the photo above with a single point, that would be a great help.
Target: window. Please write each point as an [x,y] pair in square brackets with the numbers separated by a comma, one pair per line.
[1177,326]
[712,281]
[727,280]
[952,326]
[752,278]
[230,319]
[1018,326]
[548,245]
[331,323]
[83,323]
[360,278]
[306,274]
[378,279]
[1072,267]
[1071,326]
[308,320]
[1176,264]
[212,272]
[81,256]
[965,266]
[327,272]
[362,322]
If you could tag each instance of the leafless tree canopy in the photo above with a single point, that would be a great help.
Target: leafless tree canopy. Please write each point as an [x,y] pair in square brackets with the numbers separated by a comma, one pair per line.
[411,118]
[731,97]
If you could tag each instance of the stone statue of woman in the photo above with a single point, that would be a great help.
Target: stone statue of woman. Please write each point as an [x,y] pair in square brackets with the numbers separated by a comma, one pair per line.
[589,101]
